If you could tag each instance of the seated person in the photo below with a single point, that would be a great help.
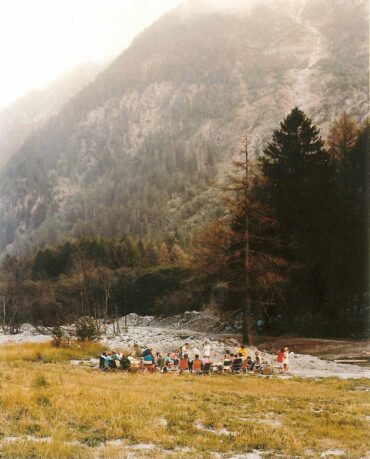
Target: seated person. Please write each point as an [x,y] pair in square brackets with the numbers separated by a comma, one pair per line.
[146,352]
[175,358]
[102,360]
[160,360]
[149,360]
[197,364]
[169,360]
[149,363]
[125,362]
[134,362]
[116,359]
[257,361]
[206,364]
[110,361]
[237,362]
[184,363]
[206,360]
[248,363]
[227,362]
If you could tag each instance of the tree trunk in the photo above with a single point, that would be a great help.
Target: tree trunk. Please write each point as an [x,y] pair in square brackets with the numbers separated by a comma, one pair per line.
[247,319]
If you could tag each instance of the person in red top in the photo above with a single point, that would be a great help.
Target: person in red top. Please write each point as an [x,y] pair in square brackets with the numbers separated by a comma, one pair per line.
[280,358]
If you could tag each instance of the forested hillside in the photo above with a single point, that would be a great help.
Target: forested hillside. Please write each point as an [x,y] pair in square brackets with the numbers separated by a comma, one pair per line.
[141,150]
[290,250]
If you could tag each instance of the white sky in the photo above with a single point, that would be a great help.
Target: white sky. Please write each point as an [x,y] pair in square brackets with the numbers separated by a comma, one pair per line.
[42,39]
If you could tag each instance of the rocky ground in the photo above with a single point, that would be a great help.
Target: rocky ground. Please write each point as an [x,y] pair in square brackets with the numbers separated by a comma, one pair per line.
[168,334]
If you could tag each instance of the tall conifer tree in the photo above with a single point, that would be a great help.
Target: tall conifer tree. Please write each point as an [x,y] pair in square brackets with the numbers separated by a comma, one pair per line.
[299,179]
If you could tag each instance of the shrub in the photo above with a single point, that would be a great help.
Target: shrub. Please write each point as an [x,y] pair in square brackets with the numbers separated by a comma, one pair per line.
[60,337]
[87,329]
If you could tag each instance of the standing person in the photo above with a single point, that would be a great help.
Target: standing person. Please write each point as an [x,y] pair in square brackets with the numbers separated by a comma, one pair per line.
[286,360]
[184,349]
[243,351]
[280,358]
[207,349]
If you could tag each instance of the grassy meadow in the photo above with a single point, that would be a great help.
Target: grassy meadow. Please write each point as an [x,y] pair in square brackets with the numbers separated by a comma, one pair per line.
[51,409]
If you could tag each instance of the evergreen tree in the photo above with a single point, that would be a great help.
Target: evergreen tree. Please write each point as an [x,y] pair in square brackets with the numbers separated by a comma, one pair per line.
[349,146]
[299,182]
[297,170]
[319,198]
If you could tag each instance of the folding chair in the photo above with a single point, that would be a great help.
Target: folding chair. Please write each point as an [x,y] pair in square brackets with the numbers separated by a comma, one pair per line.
[206,368]
[183,365]
[236,367]
[103,365]
[197,366]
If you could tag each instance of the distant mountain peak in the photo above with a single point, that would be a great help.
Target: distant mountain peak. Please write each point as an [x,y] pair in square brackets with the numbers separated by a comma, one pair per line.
[140,149]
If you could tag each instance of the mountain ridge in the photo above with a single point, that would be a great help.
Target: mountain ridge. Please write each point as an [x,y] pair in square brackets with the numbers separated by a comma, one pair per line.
[29,113]
[141,149]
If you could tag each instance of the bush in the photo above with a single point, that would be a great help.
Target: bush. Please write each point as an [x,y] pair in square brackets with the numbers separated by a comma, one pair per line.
[87,329]
[60,337]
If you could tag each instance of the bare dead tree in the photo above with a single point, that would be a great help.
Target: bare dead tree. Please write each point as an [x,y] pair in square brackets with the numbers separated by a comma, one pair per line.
[247,319]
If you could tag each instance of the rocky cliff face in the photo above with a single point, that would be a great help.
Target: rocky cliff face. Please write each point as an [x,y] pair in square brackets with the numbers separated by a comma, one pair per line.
[141,148]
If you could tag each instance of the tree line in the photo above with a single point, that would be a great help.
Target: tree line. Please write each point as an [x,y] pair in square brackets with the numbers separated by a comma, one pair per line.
[297,213]
[97,277]
[308,244]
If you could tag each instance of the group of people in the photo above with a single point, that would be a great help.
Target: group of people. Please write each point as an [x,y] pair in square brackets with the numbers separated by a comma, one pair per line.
[192,360]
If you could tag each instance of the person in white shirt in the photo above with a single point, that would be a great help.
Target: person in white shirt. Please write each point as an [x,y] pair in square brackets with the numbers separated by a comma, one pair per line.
[207,349]
[185,349]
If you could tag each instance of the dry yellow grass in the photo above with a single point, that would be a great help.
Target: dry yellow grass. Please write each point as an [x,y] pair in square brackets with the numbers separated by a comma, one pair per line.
[60,411]
[47,353]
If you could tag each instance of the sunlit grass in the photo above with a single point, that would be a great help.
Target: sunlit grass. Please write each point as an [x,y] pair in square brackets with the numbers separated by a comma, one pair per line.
[47,353]
[63,411]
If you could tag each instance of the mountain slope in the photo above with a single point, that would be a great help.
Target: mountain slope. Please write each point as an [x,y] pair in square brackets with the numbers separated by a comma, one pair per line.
[141,148]
[31,112]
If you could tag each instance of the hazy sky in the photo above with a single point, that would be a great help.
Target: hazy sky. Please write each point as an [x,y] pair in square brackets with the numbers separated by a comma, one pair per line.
[42,39]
